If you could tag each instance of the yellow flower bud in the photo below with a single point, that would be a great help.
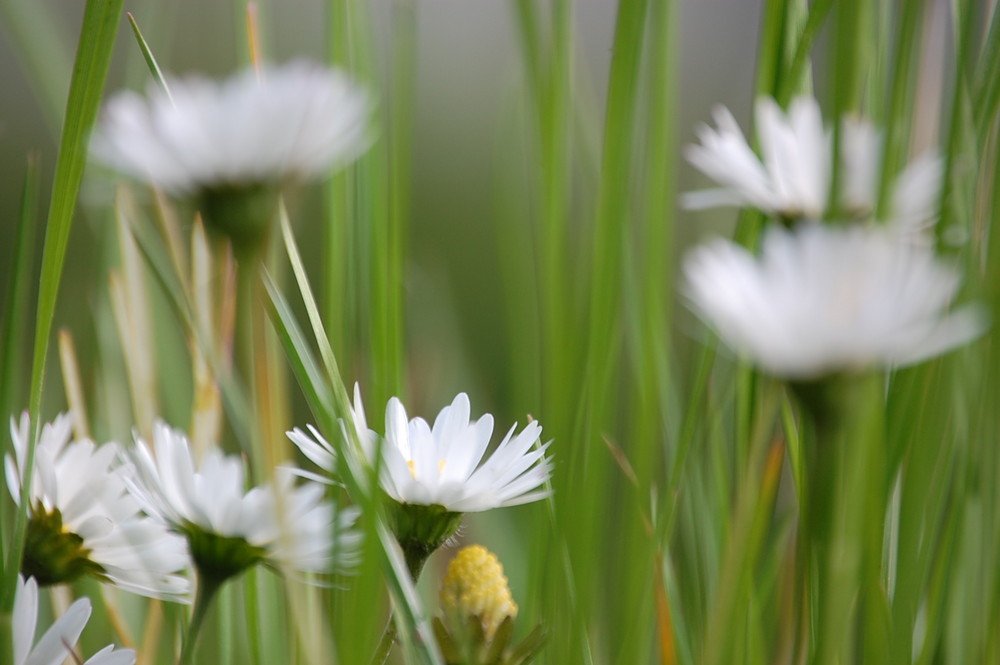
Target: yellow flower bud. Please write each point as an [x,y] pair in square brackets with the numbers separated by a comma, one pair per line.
[475,586]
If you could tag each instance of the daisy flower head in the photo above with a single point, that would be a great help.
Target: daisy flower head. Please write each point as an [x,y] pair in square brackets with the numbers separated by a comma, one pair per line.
[83,521]
[446,464]
[232,145]
[55,644]
[824,299]
[434,474]
[791,177]
[229,528]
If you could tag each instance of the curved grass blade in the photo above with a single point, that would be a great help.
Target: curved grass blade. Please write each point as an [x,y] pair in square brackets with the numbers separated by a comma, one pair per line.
[414,625]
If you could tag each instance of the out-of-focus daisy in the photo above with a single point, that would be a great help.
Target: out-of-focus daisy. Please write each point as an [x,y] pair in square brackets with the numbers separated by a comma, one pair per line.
[82,520]
[824,299]
[791,178]
[56,642]
[231,146]
[434,474]
[229,528]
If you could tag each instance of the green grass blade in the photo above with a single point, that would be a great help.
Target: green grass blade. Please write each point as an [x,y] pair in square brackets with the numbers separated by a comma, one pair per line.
[848,83]
[97,38]
[953,199]
[41,47]
[414,626]
[611,228]
[15,315]
[798,66]
[987,83]
[165,270]
[648,298]
[897,128]
[770,55]
[389,333]
[147,54]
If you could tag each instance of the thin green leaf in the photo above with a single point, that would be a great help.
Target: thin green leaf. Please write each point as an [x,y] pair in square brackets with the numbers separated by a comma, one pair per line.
[41,48]
[16,312]
[414,626]
[147,54]
[93,56]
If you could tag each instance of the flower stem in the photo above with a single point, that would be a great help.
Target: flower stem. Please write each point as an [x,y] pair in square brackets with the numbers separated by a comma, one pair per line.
[842,540]
[251,357]
[415,560]
[208,587]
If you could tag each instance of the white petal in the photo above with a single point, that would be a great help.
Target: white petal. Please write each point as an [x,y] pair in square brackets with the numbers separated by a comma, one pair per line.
[823,299]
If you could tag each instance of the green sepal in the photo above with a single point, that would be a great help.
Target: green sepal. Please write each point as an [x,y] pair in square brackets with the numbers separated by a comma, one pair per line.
[53,555]
[449,650]
[829,399]
[243,214]
[496,647]
[220,557]
[420,530]
[470,646]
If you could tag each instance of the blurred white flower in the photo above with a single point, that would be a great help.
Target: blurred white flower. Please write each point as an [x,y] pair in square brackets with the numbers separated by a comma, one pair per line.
[56,642]
[82,520]
[825,299]
[445,465]
[792,176]
[230,529]
[290,123]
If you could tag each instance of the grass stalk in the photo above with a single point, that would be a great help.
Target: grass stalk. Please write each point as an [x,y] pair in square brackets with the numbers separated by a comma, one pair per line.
[330,403]
[899,117]
[97,37]
[649,298]
[848,83]
[610,231]
[15,318]
[966,16]
[41,47]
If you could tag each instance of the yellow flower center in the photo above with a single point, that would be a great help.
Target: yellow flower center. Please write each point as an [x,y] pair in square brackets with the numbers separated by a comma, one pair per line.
[413,467]
[475,586]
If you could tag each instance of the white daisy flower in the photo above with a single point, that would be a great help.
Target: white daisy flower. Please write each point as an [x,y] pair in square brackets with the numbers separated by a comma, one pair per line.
[792,176]
[230,529]
[445,465]
[55,643]
[82,520]
[288,123]
[825,299]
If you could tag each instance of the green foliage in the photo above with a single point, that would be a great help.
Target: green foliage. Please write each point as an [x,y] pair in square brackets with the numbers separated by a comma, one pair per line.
[701,513]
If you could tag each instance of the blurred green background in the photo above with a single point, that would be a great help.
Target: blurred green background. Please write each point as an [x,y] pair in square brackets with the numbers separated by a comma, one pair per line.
[467,126]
